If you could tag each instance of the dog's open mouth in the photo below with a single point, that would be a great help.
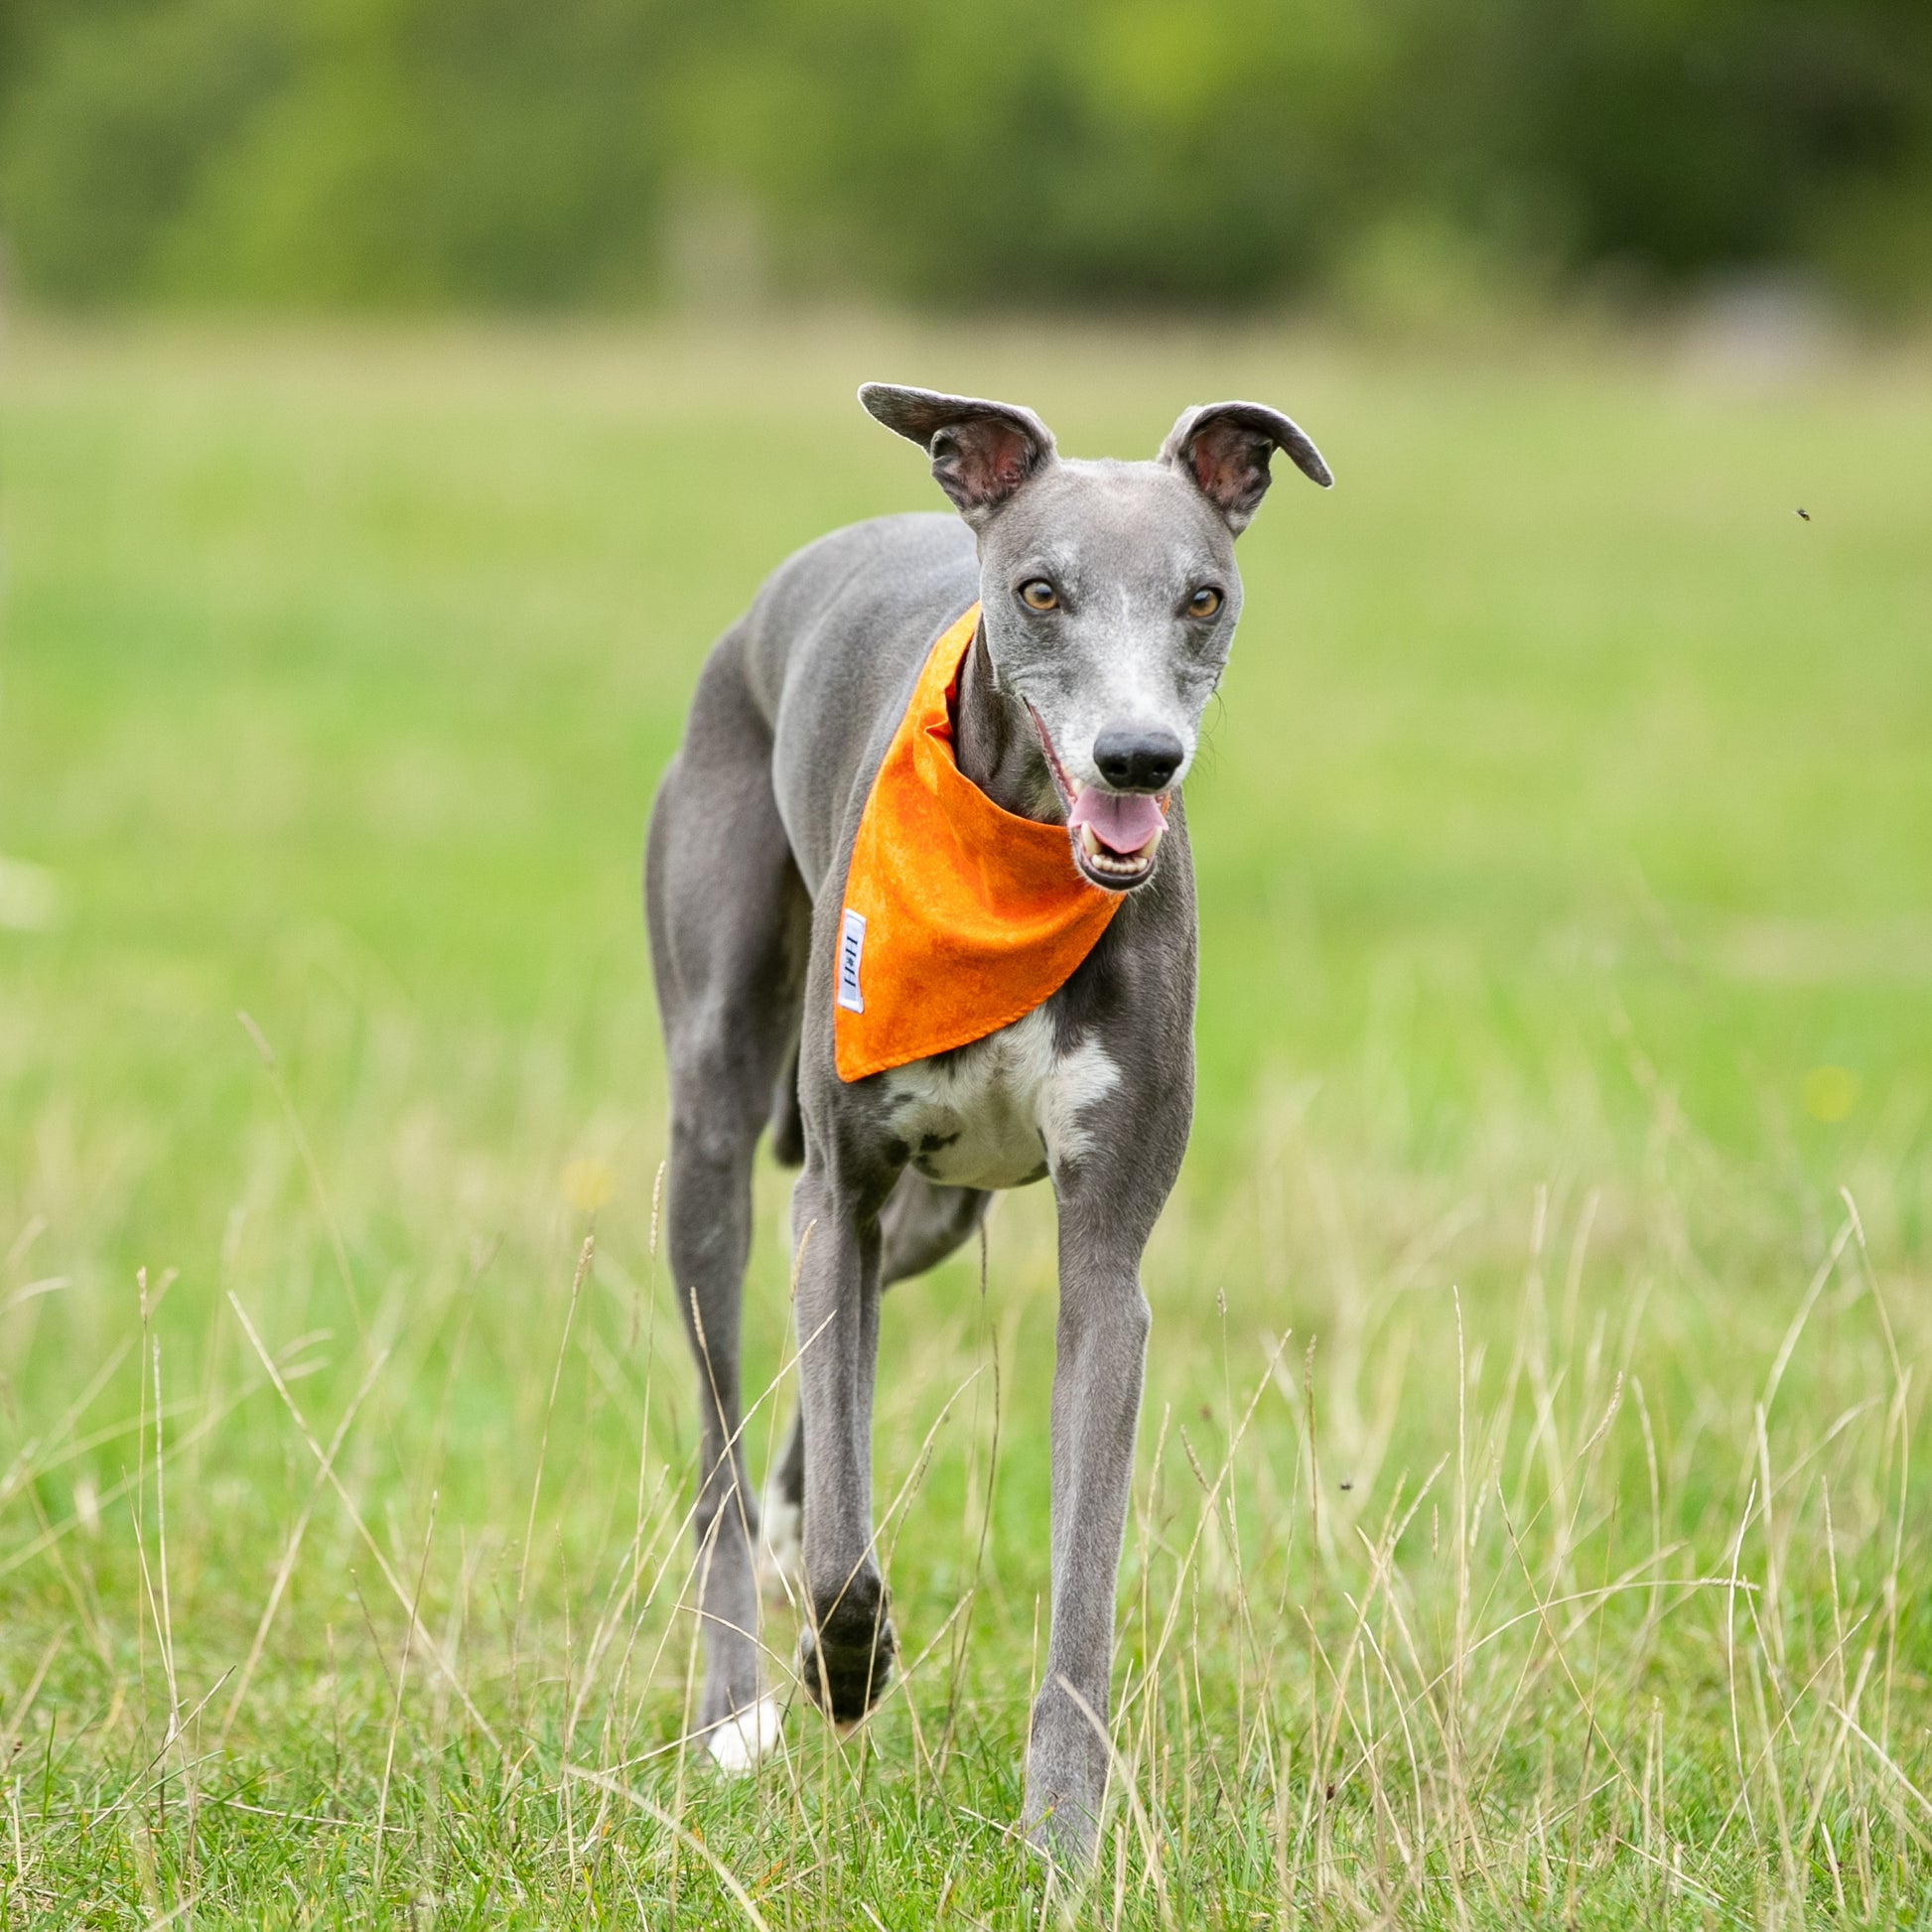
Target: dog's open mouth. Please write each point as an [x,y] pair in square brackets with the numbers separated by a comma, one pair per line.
[1115,834]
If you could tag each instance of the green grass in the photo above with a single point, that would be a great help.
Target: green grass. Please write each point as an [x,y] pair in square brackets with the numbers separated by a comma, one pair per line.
[1530,1523]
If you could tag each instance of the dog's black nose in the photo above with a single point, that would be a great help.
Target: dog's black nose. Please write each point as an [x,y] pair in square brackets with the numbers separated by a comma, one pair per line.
[1138,760]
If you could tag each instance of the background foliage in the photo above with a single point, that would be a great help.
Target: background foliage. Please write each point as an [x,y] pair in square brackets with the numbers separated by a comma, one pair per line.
[377,153]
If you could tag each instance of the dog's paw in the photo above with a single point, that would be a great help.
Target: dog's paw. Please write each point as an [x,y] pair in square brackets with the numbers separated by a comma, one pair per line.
[781,1548]
[741,1740]
[845,1661]
[1061,1829]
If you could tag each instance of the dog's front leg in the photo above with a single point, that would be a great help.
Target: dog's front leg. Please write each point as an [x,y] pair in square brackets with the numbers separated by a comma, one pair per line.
[1102,1344]
[844,1651]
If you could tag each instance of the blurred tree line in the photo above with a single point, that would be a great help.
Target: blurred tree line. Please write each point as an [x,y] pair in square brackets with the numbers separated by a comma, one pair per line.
[386,153]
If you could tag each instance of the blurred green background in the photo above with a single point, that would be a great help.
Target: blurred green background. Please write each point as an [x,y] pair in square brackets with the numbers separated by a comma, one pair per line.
[1163,153]
[1555,748]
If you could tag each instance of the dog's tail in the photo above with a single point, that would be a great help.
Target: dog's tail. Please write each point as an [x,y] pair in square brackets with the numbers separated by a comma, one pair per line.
[787,1123]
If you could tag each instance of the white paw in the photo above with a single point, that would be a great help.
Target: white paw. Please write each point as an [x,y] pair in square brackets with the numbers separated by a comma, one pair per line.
[782,1546]
[746,1737]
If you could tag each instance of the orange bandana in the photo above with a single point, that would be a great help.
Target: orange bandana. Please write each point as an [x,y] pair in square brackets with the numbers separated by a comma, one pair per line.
[959,918]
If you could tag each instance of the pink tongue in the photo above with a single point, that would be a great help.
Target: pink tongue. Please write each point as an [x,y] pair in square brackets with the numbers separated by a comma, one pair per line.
[1123,822]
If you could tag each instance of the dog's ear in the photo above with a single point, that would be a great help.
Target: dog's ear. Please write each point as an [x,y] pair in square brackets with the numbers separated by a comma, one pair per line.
[1223,449]
[981,451]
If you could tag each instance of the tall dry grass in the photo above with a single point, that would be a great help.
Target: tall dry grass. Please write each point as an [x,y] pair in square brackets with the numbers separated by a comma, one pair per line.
[1505,1547]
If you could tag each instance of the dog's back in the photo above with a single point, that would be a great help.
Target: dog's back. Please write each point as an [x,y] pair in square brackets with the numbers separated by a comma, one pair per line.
[827,654]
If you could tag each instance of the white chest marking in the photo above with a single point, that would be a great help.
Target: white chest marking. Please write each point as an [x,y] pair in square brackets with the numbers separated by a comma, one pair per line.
[1003,1111]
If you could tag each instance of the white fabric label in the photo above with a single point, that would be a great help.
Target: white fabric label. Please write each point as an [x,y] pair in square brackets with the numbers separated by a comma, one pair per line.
[852,943]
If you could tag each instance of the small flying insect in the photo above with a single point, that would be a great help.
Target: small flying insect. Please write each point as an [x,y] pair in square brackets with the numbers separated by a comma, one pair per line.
[1806,514]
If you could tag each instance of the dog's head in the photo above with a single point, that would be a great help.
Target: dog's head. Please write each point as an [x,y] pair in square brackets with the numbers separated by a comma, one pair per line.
[1109,589]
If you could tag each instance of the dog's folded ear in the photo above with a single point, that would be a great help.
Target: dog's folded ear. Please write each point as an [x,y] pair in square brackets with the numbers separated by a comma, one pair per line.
[981,451]
[1223,449]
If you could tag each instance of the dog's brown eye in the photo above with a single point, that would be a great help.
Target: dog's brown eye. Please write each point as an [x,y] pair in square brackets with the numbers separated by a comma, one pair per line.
[1204,602]
[1039,595]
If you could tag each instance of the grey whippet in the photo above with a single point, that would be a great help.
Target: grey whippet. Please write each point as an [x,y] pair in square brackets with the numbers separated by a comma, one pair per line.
[1109,597]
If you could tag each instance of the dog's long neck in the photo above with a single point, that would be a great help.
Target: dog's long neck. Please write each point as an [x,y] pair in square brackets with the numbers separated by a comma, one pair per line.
[996,745]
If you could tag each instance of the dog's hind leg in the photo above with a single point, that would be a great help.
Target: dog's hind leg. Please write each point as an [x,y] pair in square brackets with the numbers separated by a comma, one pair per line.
[922,1224]
[729,925]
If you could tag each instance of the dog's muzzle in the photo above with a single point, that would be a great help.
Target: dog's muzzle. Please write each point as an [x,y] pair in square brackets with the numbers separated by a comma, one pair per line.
[1115,834]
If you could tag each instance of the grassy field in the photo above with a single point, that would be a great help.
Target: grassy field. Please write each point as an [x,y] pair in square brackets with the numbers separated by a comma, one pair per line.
[1531,1520]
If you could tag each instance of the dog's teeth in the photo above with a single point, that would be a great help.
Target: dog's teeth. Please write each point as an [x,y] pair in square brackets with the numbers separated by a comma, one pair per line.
[1090,841]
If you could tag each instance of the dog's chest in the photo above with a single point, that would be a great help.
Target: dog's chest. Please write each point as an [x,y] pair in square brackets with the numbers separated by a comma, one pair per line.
[1004,1111]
